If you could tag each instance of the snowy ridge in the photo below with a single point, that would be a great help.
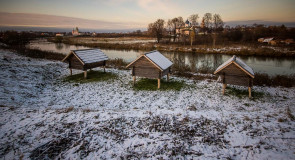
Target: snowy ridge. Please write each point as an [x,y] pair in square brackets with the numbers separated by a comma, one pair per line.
[159,59]
[91,55]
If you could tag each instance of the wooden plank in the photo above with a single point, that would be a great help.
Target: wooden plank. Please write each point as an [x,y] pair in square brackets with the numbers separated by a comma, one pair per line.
[232,69]
[229,66]
[146,72]
[133,71]
[222,68]
[130,64]
[159,83]
[168,77]
[134,80]
[223,88]
[243,70]
[68,56]
[165,72]
[249,89]
[144,62]
[94,65]
[236,80]
[85,74]
[160,74]
[78,58]
[75,63]
[71,72]
[104,66]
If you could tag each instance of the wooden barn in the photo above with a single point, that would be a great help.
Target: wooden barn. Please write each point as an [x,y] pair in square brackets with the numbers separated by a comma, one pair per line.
[85,59]
[151,65]
[235,71]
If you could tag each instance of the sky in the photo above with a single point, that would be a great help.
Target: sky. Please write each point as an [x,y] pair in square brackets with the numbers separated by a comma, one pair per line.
[137,13]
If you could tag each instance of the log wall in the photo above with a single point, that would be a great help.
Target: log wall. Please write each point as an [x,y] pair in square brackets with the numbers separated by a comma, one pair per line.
[93,65]
[234,75]
[75,63]
[144,68]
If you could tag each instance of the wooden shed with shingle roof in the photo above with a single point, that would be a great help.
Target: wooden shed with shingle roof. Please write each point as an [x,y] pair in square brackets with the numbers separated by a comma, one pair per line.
[151,65]
[86,59]
[235,71]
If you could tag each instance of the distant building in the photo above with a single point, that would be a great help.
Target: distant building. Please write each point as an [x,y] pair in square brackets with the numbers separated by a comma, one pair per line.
[44,34]
[260,40]
[75,32]
[274,42]
[186,29]
[267,40]
[289,41]
[187,23]
[59,35]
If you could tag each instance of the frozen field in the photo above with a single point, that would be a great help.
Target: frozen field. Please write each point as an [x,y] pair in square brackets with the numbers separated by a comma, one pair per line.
[42,117]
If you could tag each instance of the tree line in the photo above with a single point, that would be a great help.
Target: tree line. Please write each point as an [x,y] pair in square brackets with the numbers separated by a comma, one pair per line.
[212,30]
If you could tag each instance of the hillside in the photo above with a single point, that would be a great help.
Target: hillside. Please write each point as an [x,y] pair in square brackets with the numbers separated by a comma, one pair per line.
[43,116]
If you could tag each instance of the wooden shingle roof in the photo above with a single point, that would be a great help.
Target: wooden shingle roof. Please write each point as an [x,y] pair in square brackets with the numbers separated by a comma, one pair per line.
[87,56]
[156,58]
[239,63]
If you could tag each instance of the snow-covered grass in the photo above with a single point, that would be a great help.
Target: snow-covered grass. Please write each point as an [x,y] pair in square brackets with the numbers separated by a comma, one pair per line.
[42,116]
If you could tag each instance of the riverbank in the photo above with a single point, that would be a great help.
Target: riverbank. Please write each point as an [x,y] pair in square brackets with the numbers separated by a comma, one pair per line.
[42,116]
[145,44]
[261,79]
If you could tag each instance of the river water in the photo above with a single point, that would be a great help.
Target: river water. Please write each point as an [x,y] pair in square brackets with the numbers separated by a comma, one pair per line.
[195,61]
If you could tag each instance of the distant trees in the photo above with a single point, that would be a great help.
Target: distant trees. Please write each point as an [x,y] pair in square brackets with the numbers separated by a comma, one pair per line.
[176,22]
[212,31]
[16,38]
[194,19]
[170,28]
[217,23]
[207,19]
[217,27]
[157,29]
[192,35]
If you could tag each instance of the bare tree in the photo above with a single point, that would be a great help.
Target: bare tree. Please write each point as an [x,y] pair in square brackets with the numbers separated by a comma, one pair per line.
[157,29]
[192,35]
[176,22]
[180,21]
[194,19]
[217,27]
[217,22]
[170,28]
[207,21]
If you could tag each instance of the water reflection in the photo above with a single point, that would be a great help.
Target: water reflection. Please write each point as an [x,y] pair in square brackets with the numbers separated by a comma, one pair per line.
[195,62]
[59,46]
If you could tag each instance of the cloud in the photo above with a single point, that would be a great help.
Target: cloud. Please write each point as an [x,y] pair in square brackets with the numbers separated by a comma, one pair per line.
[166,7]
[150,7]
[42,20]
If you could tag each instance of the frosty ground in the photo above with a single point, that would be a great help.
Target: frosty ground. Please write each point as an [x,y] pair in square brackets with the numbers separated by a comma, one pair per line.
[44,117]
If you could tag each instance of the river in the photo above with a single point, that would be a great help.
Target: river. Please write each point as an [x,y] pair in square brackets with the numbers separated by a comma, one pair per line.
[195,61]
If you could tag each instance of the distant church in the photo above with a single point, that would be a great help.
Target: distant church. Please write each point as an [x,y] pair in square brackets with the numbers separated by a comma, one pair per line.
[187,28]
[75,32]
